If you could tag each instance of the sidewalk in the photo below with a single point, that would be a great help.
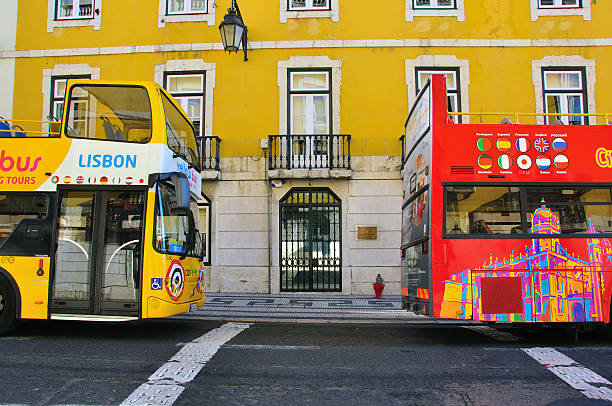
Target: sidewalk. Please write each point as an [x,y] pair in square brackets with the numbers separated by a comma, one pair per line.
[305,308]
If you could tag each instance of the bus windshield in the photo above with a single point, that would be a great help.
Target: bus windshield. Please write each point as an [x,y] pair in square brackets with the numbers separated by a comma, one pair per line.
[109,112]
[180,134]
[173,225]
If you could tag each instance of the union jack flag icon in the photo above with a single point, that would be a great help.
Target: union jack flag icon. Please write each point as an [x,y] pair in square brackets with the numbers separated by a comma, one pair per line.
[541,144]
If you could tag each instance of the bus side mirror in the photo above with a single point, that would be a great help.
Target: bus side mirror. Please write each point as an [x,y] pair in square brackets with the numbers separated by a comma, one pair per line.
[181,186]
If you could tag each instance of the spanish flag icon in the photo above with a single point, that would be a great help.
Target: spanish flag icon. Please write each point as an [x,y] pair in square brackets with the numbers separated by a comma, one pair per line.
[504,144]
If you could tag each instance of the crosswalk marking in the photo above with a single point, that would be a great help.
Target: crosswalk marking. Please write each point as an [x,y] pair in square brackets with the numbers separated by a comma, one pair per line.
[166,384]
[577,376]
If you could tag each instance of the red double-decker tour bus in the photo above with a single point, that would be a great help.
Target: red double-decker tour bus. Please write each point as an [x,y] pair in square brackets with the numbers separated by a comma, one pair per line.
[505,222]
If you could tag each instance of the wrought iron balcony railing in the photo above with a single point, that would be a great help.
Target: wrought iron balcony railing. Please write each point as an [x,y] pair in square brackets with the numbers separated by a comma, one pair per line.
[314,151]
[209,151]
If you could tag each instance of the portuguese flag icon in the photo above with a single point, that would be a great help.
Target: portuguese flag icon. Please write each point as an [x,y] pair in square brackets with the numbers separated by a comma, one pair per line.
[484,144]
[485,161]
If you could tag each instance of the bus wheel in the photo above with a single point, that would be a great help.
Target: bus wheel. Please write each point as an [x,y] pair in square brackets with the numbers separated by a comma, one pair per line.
[8,306]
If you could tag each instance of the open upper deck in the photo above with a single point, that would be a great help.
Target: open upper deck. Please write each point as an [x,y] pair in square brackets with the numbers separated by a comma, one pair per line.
[503,152]
[111,133]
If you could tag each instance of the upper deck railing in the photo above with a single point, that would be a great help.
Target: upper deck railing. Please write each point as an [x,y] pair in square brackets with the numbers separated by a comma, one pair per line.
[28,128]
[494,118]
[600,118]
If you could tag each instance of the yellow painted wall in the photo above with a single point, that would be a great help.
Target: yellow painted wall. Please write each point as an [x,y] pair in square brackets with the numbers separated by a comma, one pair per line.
[373,93]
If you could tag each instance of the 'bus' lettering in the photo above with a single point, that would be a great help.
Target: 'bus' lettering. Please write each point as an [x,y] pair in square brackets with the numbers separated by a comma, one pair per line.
[106,161]
[21,163]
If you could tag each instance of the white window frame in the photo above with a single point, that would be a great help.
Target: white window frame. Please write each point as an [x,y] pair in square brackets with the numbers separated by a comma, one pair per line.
[309,5]
[425,63]
[559,4]
[94,21]
[82,69]
[164,16]
[309,95]
[183,97]
[188,5]
[583,9]
[564,93]
[332,12]
[57,99]
[568,62]
[76,5]
[434,4]
[204,205]
[299,62]
[176,66]
[451,92]
[458,10]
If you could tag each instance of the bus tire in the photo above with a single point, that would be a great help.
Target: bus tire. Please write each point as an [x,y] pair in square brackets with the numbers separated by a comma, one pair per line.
[8,307]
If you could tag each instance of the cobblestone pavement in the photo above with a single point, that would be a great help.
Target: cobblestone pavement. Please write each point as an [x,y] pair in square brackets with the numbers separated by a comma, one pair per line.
[307,308]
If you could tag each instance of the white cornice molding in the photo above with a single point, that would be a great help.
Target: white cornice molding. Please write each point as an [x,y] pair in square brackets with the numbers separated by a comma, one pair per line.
[318,44]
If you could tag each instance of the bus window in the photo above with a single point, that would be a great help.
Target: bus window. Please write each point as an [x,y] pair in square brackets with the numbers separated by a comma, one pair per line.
[482,210]
[171,223]
[573,207]
[107,112]
[180,134]
[17,207]
[198,246]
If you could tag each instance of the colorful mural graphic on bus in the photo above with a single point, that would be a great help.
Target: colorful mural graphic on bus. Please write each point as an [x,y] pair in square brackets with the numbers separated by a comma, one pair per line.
[545,283]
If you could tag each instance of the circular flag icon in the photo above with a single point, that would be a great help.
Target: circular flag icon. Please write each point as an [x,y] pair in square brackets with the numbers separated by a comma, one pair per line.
[485,161]
[129,180]
[504,161]
[503,144]
[55,179]
[559,144]
[104,180]
[522,144]
[543,162]
[91,179]
[523,161]
[561,161]
[541,144]
[67,179]
[80,179]
[484,144]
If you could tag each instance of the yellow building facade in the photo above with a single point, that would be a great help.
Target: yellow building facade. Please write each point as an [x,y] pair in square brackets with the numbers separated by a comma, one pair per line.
[301,143]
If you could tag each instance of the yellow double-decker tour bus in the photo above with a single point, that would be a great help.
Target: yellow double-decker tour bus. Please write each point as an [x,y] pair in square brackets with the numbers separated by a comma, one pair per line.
[99,220]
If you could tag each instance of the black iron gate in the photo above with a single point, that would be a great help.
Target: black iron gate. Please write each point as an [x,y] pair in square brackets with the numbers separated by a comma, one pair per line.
[310,249]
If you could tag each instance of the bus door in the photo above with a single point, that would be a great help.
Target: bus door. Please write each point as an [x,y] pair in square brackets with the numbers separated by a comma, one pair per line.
[98,259]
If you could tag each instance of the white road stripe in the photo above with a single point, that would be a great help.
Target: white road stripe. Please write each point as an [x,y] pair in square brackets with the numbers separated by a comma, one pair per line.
[578,377]
[494,333]
[273,347]
[165,385]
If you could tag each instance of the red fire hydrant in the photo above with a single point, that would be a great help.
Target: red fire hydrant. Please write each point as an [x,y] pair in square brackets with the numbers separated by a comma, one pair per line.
[379,286]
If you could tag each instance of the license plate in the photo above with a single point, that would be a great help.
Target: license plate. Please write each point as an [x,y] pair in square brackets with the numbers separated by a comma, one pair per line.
[193,307]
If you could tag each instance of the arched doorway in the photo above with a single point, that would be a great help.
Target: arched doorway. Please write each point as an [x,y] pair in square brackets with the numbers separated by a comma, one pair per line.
[310,241]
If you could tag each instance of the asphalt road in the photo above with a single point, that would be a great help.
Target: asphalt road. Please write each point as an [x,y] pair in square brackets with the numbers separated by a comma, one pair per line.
[51,363]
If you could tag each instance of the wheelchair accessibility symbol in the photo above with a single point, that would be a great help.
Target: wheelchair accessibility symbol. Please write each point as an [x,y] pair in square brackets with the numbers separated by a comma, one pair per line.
[157,283]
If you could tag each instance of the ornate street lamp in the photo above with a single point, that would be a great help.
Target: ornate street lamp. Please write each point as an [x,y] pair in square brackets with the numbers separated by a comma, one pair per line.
[233,30]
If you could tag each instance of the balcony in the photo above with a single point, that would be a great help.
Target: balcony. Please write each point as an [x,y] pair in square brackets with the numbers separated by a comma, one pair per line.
[210,154]
[309,156]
